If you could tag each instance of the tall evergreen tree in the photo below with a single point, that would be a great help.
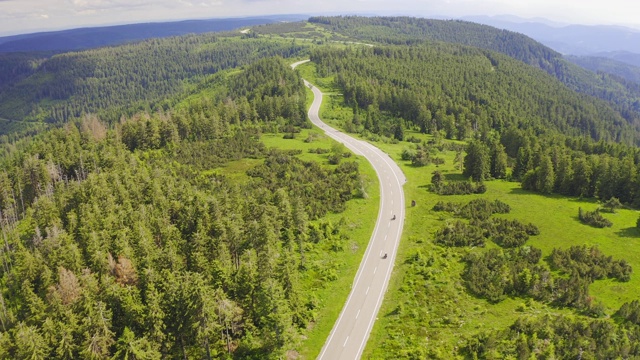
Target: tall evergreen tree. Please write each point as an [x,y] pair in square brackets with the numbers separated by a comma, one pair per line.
[477,163]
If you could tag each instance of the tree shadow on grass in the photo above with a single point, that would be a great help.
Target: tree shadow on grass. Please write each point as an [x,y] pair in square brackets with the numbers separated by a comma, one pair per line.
[584,200]
[577,219]
[630,232]
[517,190]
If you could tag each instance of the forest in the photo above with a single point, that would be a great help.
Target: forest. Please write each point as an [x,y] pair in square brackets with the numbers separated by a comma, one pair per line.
[622,94]
[127,233]
[111,80]
[117,245]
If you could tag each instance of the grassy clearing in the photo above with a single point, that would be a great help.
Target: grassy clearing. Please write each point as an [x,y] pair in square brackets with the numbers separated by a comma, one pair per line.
[444,312]
[439,313]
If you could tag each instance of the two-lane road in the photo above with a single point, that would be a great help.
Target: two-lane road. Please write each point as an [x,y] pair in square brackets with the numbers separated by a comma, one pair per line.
[351,331]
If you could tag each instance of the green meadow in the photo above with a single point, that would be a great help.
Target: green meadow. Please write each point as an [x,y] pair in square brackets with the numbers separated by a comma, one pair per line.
[440,313]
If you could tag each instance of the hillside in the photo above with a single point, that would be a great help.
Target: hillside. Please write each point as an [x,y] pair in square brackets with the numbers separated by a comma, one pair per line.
[412,31]
[111,80]
[622,56]
[601,64]
[461,90]
[55,90]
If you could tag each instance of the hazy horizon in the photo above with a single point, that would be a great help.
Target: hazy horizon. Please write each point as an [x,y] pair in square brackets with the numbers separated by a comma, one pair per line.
[27,16]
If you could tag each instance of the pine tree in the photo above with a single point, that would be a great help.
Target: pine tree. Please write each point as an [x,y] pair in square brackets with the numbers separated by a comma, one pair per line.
[498,161]
[30,344]
[546,178]
[128,347]
[477,163]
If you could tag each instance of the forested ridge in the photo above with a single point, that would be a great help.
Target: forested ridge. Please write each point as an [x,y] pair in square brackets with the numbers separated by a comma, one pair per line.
[113,79]
[624,96]
[460,90]
[116,243]
[623,70]
[93,37]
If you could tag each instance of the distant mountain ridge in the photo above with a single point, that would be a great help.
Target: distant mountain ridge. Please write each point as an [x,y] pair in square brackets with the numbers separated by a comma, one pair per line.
[608,65]
[621,56]
[569,39]
[86,38]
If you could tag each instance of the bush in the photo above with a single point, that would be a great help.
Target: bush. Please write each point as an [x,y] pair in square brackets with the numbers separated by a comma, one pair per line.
[479,209]
[482,209]
[593,218]
[612,205]
[312,137]
[509,233]
[407,154]
[630,312]
[590,263]
[497,273]
[460,234]
[319,151]
[460,188]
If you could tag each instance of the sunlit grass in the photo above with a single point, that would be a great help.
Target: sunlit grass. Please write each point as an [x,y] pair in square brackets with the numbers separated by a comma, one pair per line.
[440,311]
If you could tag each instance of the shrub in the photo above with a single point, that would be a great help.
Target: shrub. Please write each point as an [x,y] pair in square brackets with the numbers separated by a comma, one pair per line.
[460,234]
[509,233]
[630,312]
[407,154]
[334,159]
[460,188]
[590,263]
[593,218]
[319,151]
[479,209]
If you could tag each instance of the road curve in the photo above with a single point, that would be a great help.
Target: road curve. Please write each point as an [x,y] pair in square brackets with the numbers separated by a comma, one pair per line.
[351,331]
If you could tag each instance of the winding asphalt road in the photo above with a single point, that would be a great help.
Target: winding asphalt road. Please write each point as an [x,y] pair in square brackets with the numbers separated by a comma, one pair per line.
[351,330]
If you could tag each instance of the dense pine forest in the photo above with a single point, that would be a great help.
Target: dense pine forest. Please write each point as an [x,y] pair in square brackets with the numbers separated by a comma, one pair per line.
[463,90]
[112,79]
[143,216]
[623,95]
[115,243]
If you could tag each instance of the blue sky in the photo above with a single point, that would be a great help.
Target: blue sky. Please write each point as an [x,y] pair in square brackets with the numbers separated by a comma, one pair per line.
[22,16]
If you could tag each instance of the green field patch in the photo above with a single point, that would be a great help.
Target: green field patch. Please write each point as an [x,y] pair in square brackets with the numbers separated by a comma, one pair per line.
[429,307]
